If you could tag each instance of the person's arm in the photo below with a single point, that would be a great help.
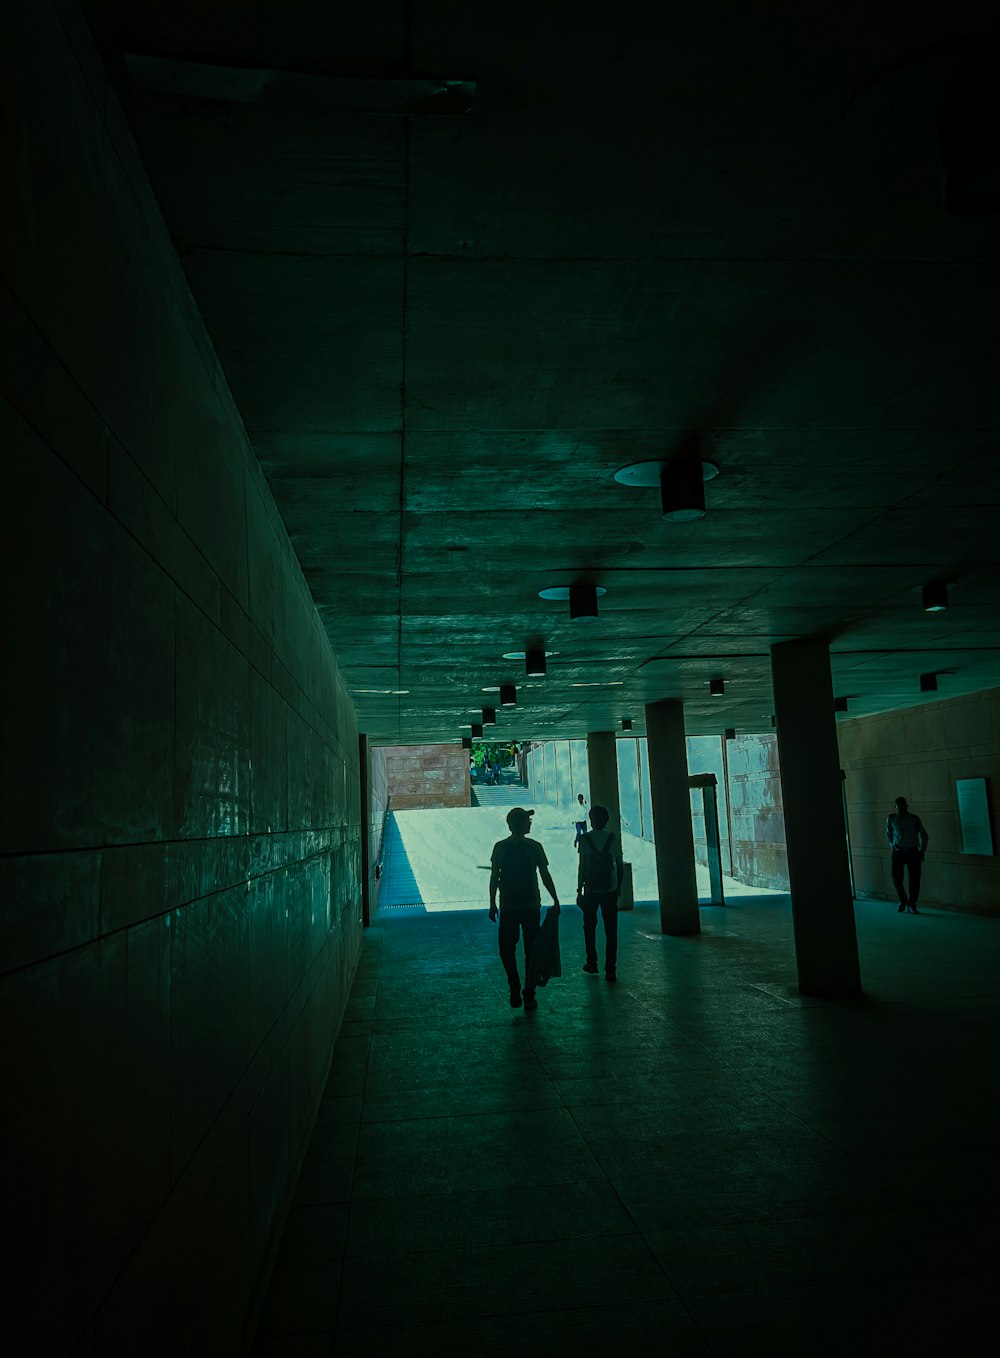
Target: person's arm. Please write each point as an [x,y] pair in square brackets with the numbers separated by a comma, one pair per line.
[494,883]
[579,871]
[549,885]
[888,830]
[620,861]
[922,837]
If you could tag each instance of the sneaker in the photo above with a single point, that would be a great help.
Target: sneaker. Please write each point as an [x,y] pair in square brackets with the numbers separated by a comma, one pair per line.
[515,998]
[590,968]
[529,1000]
[901,907]
[913,910]
[611,976]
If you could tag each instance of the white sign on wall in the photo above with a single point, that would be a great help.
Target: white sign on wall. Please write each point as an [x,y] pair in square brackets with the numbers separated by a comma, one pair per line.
[974,815]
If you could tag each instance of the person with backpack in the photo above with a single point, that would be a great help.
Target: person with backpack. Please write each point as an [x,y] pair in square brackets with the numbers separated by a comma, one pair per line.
[516,864]
[598,882]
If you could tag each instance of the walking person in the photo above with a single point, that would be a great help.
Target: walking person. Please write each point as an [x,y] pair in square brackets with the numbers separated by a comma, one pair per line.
[908,842]
[598,882]
[581,824]
[517,863]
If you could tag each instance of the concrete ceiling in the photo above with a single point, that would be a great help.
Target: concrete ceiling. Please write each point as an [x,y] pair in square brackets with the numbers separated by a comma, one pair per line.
[446,333]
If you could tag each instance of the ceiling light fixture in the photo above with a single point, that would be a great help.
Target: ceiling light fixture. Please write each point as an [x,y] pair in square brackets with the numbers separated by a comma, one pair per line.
[489,716]
[730,733]
[840,704]
[582,599]
[681,481]
[466,742]
[934,596]
[477,730]
[626,723]
[508,695]
[717,687]
[600,683]
[928,683]
[535,663]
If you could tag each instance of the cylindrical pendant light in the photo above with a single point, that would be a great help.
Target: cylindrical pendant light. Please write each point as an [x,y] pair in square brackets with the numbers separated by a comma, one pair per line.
[466,742]
[489,716]
[582,602]
[508,695]
[626,723]
[717,687]
[534,664]
[935,596]
[840,704]
[682,490]
[477,730]
[730,733]
[928,683]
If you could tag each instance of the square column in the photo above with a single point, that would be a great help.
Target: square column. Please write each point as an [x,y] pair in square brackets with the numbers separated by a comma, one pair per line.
[673,836]
[602,770]
[819,877]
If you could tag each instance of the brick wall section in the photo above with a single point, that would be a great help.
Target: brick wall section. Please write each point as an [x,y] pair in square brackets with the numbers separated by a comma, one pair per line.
[919,753]
[427,777]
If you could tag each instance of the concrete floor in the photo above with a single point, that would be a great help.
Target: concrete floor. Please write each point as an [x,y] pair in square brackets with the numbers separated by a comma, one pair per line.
[696,1161]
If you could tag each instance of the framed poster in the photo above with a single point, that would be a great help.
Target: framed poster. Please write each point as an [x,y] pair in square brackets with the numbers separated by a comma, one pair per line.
[974,815]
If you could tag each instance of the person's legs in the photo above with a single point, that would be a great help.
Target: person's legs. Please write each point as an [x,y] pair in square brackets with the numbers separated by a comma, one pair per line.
[913,864]
[609,913]
[510,926]
[898,859]
[590,933]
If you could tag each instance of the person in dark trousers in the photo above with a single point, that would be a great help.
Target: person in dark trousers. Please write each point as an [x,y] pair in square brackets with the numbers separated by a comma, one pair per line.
[908,842]
[517,863]
[598,882]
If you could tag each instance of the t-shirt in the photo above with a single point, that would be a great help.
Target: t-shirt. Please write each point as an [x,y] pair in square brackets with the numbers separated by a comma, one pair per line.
[906,832]
[516,861]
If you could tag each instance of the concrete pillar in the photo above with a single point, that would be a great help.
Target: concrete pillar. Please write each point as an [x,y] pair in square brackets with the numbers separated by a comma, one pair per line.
[602,768]
[826,944]
[673,836]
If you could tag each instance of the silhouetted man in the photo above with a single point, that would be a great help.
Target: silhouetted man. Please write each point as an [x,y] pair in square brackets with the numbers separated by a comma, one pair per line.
[908,841]
[598,882]
[580,825]
[517,863]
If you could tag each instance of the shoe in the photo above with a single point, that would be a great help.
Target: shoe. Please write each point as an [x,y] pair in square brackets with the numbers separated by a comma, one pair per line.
[610,976]
[913,910]
[515,999]
[529,1000]
[590,968]
[901,907]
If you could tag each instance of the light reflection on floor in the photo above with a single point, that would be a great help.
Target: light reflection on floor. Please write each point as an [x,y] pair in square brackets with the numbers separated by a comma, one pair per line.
[440,860]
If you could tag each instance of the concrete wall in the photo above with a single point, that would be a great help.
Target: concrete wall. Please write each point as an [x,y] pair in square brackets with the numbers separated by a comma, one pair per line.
[919,753]
[756,820]
[180,813]
[427,777]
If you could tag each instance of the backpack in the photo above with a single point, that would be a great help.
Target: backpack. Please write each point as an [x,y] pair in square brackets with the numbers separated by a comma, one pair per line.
[600,870]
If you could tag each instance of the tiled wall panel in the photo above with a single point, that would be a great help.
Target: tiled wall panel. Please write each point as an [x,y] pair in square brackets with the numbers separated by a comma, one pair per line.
[180,892]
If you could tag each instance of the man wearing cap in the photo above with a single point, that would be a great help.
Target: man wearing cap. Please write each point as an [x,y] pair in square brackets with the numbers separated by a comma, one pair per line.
[517,862]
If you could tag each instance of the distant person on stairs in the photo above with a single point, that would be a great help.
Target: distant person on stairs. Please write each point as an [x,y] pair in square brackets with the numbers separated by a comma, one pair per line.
[517,863]
[598,883]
